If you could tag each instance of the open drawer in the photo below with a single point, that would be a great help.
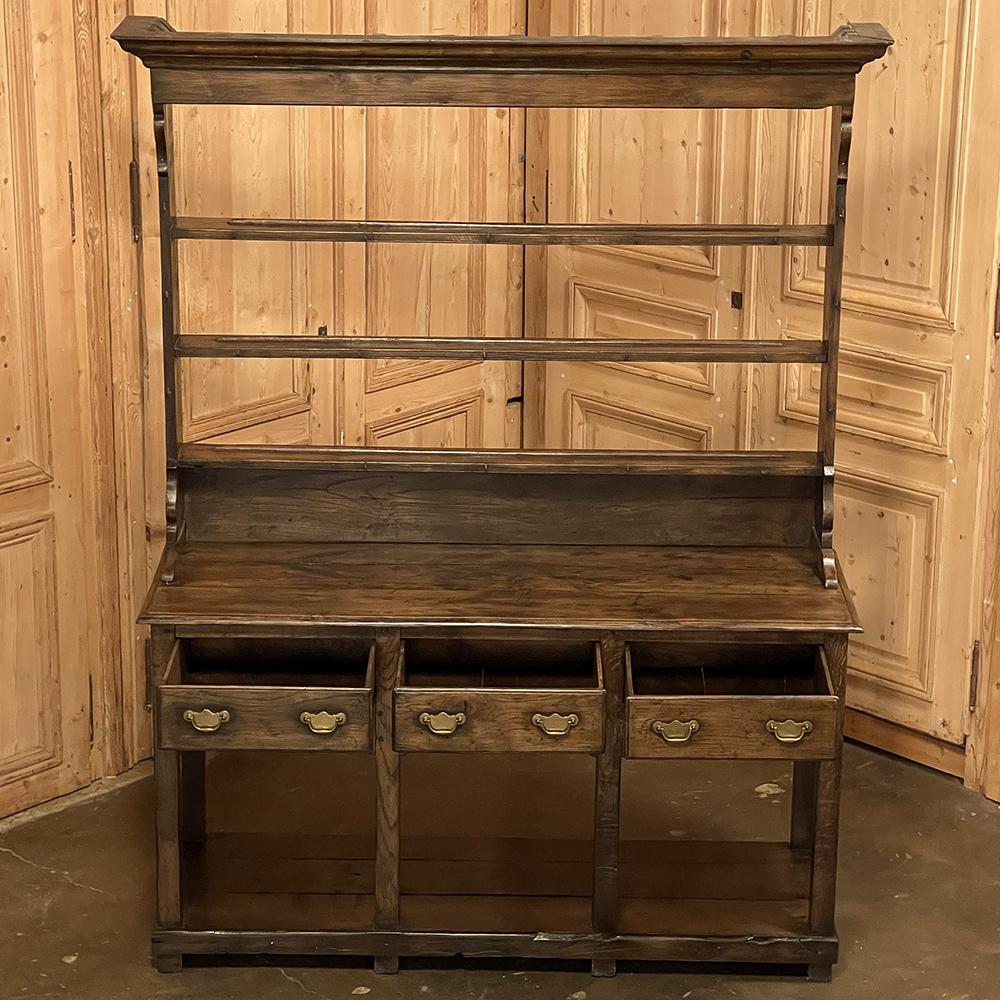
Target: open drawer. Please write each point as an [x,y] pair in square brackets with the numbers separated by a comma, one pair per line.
[738,700]
[264,694]
[499,695]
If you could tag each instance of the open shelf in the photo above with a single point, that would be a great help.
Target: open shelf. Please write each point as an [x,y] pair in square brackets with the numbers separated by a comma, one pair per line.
[499,886]
[498,348]
[557,586]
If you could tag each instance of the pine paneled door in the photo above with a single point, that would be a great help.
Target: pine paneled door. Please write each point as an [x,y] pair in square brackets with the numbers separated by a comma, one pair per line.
[81,481]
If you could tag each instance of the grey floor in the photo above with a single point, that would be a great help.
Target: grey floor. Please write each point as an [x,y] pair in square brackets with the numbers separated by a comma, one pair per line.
[919,912]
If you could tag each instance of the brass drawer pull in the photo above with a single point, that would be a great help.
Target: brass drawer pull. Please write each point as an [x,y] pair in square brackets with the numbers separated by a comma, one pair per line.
[441,723]
[676,731]
[789,731]
[205,720]
[555,724]
[323,722]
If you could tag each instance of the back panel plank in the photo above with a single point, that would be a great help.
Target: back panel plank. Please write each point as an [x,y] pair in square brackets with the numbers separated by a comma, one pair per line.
[306,506]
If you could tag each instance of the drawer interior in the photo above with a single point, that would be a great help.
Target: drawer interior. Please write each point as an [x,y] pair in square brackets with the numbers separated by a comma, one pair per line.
[488,663]
[324,662]
[693,668]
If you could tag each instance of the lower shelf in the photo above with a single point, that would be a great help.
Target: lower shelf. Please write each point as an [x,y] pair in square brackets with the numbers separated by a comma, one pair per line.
[502,886]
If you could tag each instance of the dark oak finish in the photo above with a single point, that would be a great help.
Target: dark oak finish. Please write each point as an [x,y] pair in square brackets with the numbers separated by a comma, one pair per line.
[789,949]
[607,801]
[510,233]
[570,587]
[732,694]
[162,654]
[388,661]
[607,463]
[248,505]
[492,693]
[264,709]
[499,349]
[214,68]
[485,600]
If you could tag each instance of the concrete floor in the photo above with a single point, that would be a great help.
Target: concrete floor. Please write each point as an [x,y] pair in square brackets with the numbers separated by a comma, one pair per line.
[919,913]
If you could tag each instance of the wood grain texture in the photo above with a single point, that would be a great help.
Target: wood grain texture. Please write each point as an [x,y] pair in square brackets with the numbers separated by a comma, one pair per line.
[388,662]
[264,718]
[823,900]
[317,506]
[158,44]
[732,700]
[166,765]
[372,584]
[512,233]
[555,461]
[780,948]
[498,349]
[497,89]
[59,654]
[499,720]
[733,728]
[607,797]
[730,72]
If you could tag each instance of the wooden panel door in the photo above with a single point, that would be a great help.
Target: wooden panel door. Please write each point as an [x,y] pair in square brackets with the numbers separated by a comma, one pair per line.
[449,164]
[658,166]
[270,162]
[922,211]
[49,636]
[350,163]
[921,219]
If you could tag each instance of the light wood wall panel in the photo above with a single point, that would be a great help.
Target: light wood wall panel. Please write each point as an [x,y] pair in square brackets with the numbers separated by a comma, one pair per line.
[51,639]
[622,166]
[915,338]
[451,164]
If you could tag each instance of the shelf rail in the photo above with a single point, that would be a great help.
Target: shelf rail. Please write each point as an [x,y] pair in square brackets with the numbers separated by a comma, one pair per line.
[500,349]
[504,233]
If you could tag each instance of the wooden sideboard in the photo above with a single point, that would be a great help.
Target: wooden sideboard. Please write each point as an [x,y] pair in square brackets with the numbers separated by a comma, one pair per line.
[652,606]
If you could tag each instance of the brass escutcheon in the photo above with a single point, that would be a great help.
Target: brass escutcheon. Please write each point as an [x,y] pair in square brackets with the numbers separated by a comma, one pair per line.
[789,731]
[676,731]
[205,720]
[555,724]
[441,723]
[323,722]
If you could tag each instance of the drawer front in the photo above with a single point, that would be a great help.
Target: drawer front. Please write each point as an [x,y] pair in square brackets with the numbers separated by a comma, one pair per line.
[795,727]
[466,719]
[198,717]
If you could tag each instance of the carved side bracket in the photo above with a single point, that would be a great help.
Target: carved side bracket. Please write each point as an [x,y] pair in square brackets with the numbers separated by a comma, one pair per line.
[174,524]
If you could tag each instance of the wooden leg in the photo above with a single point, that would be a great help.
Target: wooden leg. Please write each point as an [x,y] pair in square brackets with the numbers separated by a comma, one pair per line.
[168,861]
[168,963]
[823,897]
[193,796]
[607,797]
[820,973]
[388,653]
[603,968]
[824,861]
[805,775]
